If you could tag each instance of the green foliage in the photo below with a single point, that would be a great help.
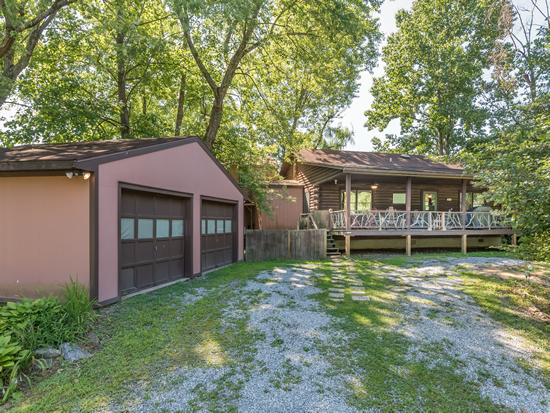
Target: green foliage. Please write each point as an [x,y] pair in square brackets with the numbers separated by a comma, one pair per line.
[13,361]
[433,76]
[77,306]
[49,321]
[513,162]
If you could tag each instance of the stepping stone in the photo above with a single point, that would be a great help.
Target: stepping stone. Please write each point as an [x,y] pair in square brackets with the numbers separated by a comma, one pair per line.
[336,295]
[337,277]
[340,290]
[360,298]
[357,292]
[336,299]
[357,289]
[402,289]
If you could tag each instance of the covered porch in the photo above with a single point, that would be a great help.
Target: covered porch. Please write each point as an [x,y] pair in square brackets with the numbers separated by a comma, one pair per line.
[380,206]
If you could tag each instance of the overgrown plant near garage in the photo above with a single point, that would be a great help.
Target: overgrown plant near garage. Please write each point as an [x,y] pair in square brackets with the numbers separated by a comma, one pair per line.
[30,324]
[49,320]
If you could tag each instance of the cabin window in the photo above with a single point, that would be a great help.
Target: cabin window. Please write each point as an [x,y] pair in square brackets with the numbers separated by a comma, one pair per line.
[399,198]
[360,200]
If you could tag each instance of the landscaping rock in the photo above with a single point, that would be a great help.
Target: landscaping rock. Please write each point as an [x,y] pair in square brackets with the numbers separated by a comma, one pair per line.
[93,338]
[47,353]
[72,352]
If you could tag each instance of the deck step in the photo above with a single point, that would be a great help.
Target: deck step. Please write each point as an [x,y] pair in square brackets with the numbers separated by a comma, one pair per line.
[332,249]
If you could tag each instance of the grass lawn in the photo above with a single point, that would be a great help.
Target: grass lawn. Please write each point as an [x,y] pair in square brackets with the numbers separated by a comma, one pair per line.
[158,334]
[522,305]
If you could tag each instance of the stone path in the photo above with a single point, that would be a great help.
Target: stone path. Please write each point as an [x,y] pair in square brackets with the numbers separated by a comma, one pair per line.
[346,278]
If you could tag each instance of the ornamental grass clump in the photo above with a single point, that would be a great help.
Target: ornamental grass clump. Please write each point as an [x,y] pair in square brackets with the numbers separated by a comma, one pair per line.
[31,324]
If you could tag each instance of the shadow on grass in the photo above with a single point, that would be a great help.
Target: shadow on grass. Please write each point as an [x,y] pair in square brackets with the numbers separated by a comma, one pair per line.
[375,356]
[520,305]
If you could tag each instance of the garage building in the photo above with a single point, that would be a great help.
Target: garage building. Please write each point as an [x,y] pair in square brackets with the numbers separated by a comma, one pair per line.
[121,216]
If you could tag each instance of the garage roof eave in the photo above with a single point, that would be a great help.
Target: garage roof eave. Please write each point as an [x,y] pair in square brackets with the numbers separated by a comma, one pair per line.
[126,148]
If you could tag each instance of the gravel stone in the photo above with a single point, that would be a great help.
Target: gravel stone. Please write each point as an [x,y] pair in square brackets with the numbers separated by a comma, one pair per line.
[286,315]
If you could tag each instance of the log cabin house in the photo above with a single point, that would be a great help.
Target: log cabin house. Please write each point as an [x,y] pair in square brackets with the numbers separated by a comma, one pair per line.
[396,201]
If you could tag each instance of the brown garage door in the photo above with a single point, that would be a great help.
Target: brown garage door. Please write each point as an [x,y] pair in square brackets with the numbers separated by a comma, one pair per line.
[217,229]
[151,239]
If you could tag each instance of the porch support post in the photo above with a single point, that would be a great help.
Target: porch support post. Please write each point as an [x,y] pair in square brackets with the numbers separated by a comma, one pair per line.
[514,240]
[408,203]
[348,213]
[408,245]
[463,206]
[465,244]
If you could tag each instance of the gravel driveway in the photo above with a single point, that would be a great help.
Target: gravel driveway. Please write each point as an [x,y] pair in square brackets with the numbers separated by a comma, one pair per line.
[289,371]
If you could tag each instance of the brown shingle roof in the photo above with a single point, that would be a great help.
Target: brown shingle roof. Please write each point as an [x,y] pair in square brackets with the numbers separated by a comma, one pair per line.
[75,151]
[390,162]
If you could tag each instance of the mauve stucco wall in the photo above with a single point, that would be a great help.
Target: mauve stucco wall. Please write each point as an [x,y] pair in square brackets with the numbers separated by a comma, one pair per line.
[44,234]
[285,212]
[187,168]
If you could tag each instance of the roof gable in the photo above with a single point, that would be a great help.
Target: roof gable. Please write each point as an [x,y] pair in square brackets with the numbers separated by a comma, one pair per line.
[88,155]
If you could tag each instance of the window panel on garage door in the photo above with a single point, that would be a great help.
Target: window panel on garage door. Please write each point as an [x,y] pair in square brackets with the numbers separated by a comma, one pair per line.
[216,234]
[151,239]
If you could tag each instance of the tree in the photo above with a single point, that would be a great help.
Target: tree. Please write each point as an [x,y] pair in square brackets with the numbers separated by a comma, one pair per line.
[23,23]
[512,162]
[117,73]
[222,36]
[433,75]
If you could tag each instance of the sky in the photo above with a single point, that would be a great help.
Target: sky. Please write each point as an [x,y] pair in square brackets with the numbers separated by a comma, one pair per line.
[354,116]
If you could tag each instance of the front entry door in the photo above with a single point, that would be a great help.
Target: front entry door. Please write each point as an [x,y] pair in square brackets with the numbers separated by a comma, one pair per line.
[217,228]
[429,201]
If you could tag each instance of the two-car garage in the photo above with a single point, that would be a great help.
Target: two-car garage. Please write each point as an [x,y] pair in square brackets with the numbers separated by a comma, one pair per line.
[122,215]
[156,237]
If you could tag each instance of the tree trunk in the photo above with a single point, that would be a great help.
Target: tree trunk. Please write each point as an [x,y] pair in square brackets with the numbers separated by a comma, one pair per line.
[121,86]
[11,69]
[440,142]
[144,103]
[181,102]
[215,120]
[447,144]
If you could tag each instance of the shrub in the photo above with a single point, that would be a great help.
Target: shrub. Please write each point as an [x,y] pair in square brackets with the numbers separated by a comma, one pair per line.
[49,321]
[14,360]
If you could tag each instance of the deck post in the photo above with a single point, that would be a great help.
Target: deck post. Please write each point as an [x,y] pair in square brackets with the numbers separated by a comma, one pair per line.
[463,206]
[465,244]
[348,213]
[408,245]
[514,240]
[408,202]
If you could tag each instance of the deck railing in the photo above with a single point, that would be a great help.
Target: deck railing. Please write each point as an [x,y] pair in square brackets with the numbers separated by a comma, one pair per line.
[423,220]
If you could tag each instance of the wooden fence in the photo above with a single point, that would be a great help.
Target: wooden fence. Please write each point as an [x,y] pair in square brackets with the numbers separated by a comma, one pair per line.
[285,244]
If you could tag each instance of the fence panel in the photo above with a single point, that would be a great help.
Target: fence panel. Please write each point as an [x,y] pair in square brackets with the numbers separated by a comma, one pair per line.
[285,244]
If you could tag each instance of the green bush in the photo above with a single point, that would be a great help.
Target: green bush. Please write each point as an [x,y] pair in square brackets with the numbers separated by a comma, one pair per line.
[13,361]
[49,321]
[30,324]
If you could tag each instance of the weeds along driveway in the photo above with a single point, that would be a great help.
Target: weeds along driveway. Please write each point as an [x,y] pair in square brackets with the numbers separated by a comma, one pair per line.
[339,336]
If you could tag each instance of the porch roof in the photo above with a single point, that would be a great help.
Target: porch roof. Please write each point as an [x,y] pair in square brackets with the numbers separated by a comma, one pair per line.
[373,162]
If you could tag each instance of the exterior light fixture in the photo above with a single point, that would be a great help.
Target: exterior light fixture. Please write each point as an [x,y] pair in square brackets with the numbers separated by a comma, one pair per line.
[374,185]
[86,175]
[69,175]
[335,181]
[429,196]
